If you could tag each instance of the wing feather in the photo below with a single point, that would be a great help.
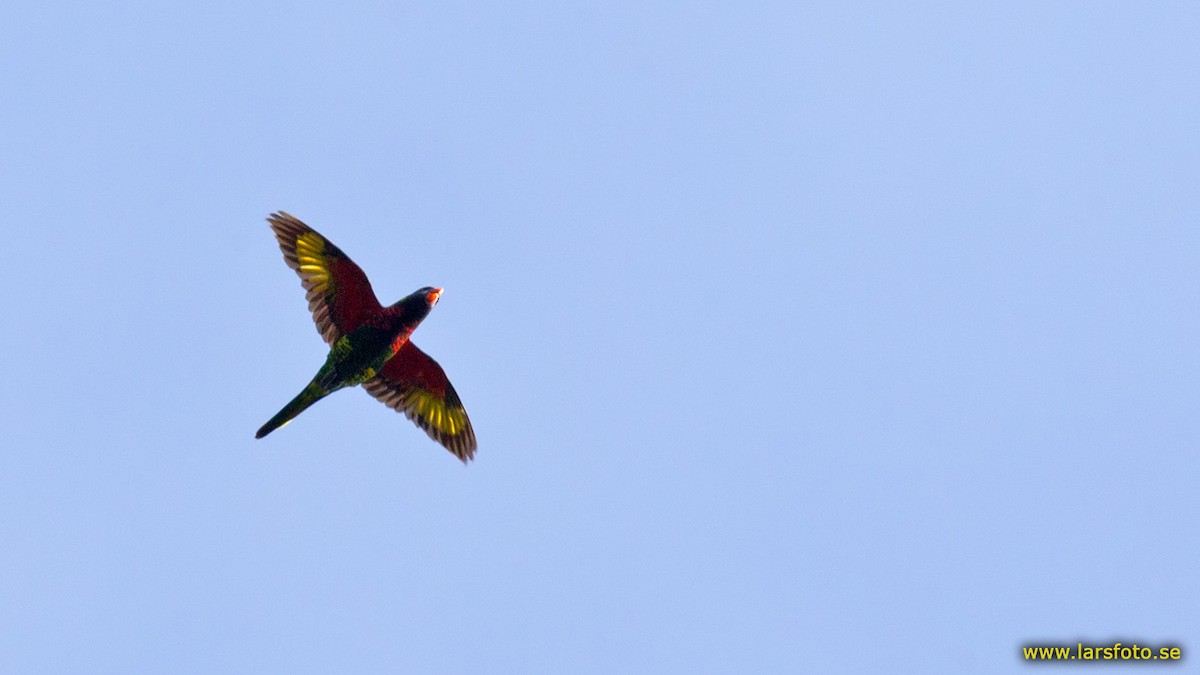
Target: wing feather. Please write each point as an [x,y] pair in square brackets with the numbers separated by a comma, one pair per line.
[339,295]
[413,383]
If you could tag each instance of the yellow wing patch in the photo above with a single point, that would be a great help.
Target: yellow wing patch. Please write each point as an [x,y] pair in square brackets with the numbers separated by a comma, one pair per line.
[445,419]
[313,268]
[310,249]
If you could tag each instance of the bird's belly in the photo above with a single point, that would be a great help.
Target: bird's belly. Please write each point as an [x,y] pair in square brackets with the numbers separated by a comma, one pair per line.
[360,356]
[356,368]
[354,371]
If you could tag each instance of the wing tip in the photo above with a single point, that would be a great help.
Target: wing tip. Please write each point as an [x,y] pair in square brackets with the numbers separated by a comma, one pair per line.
[285,225]
[465,447]
[281,216]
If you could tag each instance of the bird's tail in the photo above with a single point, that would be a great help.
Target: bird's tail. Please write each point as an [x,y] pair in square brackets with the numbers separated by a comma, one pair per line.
[310,395]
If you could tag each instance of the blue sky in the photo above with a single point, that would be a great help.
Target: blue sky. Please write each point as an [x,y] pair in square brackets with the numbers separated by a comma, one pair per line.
[797,337]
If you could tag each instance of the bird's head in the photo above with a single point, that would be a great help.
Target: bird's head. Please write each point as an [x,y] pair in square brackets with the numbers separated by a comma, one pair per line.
[416,305]
[432,295]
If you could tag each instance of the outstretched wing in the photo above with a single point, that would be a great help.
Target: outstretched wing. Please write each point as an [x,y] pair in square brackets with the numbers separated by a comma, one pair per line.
[414,384]
[339,295]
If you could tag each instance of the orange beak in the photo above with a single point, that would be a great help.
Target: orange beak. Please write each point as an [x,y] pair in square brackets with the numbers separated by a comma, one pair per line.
[433,296]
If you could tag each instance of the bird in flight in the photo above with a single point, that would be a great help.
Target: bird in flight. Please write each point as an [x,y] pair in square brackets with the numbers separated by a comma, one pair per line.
[368,343]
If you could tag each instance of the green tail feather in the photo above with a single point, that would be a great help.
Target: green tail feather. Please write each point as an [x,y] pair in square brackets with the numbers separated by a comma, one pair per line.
[310,395]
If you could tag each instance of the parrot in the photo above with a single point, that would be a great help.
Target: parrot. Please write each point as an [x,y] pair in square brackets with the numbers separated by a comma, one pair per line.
[369,344]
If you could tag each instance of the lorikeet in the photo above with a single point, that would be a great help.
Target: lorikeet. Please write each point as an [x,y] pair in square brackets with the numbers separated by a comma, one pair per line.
[369,343]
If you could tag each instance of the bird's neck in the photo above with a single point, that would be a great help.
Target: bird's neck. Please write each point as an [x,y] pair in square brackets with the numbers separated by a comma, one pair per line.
[400,326]
[400,339]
